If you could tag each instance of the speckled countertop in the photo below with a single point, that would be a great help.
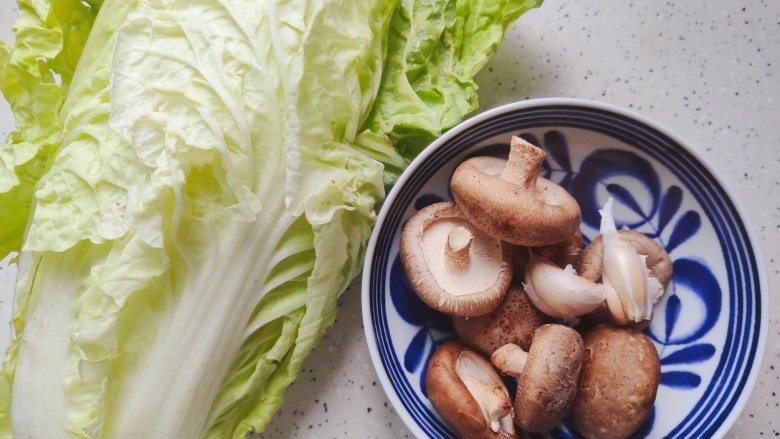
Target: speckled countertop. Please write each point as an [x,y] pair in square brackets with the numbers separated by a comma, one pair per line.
[710,73]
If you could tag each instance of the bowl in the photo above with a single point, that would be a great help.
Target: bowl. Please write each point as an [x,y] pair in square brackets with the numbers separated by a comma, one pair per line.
[710,327]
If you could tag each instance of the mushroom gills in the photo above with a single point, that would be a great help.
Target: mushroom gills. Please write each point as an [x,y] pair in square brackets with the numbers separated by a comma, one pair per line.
[491,395]
[461,264]
[628,288]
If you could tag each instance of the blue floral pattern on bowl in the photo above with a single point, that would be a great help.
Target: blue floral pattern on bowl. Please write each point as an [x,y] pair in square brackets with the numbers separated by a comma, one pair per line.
[708,326]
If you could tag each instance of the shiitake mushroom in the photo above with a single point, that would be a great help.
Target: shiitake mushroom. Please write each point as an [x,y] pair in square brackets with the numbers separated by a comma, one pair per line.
[617,389]
[607,382]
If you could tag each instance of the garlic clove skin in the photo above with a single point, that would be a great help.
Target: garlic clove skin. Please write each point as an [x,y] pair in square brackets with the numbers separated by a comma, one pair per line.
[625,274]
[655,289]
[559,292]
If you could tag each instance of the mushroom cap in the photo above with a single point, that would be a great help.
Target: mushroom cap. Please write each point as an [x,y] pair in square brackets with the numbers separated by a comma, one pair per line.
[618,384]
[453,400]
[602,315]
[474,289]
[548,383]
[514,321]
[563,253]
[659,264]
[518,207]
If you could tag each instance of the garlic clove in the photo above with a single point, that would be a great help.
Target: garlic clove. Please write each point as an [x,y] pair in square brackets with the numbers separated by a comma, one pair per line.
[625,274]
[614,305]
[559,292]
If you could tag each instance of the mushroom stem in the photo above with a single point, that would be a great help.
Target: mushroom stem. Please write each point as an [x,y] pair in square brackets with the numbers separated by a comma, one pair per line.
[523,164]
[488,391]
[509,359]
[458,246]
[496,402]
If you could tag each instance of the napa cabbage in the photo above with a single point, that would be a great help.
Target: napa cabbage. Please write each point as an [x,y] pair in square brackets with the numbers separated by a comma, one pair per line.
[191,186]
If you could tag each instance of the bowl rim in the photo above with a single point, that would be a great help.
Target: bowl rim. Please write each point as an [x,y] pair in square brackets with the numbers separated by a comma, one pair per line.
[763,318]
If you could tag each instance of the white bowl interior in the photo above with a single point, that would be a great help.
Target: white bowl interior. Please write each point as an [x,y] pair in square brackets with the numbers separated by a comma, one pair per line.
[710,327]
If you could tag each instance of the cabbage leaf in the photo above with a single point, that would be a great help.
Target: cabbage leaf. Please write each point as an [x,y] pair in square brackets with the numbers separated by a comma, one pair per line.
[34,77]
[193,187]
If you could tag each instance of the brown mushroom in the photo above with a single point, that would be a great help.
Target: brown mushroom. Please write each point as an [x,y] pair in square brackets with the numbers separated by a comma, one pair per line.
[468,393]
[514,321]
[659,264]
[602,315]
[618,384]
[548,376]
[563,253]
[453,267]
[508,199]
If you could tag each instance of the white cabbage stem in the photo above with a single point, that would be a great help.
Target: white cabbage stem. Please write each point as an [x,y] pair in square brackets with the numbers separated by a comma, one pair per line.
[560,292]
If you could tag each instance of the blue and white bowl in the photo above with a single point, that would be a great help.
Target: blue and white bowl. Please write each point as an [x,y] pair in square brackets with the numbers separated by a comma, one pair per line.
[710,327]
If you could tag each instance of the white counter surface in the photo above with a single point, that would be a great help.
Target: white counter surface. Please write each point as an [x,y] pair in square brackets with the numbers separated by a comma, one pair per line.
[708,71]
